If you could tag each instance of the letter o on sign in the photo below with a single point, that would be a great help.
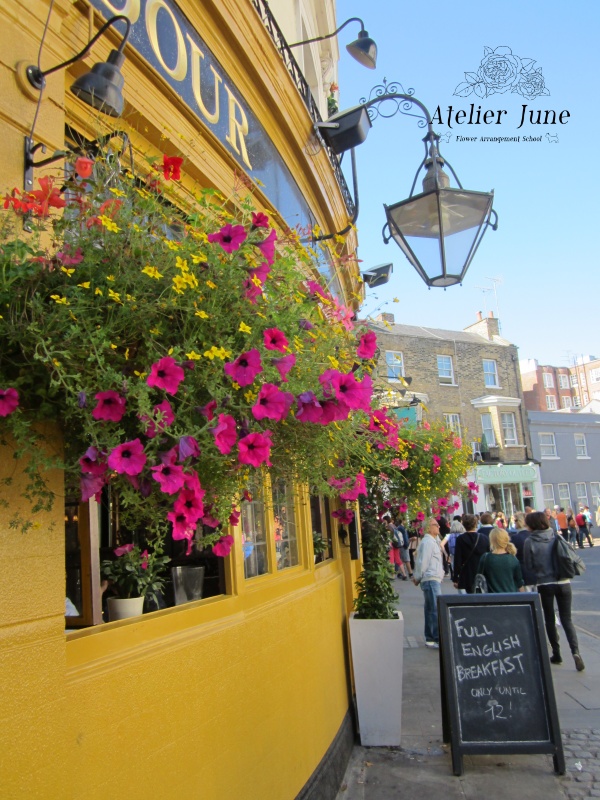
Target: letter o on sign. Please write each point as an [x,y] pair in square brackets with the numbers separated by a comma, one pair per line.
[179,71]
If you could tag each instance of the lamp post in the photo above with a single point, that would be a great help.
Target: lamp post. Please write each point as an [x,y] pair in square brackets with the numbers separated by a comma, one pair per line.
[439,229]
[363,49]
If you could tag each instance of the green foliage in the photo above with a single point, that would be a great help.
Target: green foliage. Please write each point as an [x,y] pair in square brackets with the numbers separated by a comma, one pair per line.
[375,598]
[137,573]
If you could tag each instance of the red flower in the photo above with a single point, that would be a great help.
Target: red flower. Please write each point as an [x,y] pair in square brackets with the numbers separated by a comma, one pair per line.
[166,374]
[267,247]
[259,220]
[245,368]
[272,403]
[9,401]
[255,449]
[172,167]
[41,200]
[84,166]
[367,346]
[128,458]
[225,433]
[223,547]
[230,237]
[284,365]
[274,339]
[110,407]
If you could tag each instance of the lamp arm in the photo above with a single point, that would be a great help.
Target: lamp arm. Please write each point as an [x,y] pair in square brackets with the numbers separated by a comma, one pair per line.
[409,98]
[356,207]
[90,44]
[329,35]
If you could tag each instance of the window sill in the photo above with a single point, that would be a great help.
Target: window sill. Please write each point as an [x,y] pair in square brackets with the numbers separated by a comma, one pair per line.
[550,458]
[584,458]
[448,384]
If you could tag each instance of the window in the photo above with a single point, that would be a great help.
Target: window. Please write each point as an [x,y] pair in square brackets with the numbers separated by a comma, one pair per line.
[582,379]
[395,365]
[581,492]
[574,381]
[548,490]
[453,422]
[576,402]
[595,490]
[566,402]
[548,380]
[595,375]
[487,428]
[490,373]
[563,381]
[286,537]
[547,445]
[445,369]
[586,398]
[550,402]
[509,429]
[580,445]
[254,538]
[321,526]
[564,495]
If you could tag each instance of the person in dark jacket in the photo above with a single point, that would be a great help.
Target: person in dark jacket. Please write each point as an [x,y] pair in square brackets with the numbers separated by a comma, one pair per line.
[470,546]
[518,538]
[539,557]
[486,523]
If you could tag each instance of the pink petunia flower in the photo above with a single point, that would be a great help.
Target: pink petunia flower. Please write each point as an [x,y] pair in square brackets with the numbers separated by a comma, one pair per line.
[420,516]
[309,408]
[367,346]
[208,410]
[110,407]
[426,448]
[272,403]
[166,374]
[169,476]
[284,365]
[333,411]
[402,508]
[267,246]
[252,292]
[188,448]
[274,339]
[457,442]
[230,237]
[360,487]
[245,368]
[255,449]
[91,486]
[442,502]
[167,418]
[70,260]
[344,516]
[128,458]
[234,517]
[189,502]
[316,290]
[259,220]
[209,520]
[120,551]
[9,401]
[93,462]
[223,547]
[182,528]
[225,433]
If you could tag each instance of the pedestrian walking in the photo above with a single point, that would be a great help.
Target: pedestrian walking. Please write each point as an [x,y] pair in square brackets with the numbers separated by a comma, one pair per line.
[428,574]
[500,567]
[539,557]
[583,530]
[518,538]
[470,546]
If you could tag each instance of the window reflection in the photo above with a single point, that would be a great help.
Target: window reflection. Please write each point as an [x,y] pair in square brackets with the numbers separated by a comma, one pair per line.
[321,527]
[254,542]
[286,539]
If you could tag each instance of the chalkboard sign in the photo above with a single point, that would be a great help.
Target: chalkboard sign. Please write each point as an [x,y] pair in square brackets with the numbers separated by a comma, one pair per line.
[497,691]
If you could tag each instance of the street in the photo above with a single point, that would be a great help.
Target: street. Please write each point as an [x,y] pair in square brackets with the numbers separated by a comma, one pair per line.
[586,608]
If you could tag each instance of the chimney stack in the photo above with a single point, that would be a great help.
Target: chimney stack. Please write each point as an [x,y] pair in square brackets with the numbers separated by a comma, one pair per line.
[488,327]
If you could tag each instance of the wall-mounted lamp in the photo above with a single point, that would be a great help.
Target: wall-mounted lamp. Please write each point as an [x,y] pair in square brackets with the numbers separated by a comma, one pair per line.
[363,49]
[100,88]
[377,276]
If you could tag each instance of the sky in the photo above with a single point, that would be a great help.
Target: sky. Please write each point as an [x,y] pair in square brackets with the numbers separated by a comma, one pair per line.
[543,259]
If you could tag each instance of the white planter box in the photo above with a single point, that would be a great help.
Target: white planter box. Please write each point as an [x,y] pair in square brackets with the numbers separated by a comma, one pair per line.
[377,656]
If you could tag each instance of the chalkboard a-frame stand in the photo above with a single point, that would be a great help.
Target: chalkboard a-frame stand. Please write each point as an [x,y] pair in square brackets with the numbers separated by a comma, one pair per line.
[496,684]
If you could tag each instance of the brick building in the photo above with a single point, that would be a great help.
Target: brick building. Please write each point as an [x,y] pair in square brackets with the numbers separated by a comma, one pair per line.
[471,379]
[548,388]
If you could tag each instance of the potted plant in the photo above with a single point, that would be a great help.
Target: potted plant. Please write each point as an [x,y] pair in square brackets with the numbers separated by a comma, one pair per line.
[135,575]
[319,546]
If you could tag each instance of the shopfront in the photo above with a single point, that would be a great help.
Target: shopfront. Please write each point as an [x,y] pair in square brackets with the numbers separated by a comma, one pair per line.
[506,487]
[242,694]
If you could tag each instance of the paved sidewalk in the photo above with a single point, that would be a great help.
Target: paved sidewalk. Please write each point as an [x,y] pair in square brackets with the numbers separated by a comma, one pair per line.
[422,766]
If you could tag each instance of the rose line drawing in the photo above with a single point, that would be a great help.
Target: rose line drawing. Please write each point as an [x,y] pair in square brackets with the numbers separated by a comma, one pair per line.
[501,71]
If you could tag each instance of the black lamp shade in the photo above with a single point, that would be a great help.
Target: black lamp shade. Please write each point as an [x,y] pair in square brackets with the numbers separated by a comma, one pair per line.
[439,231]
[352,128]
[364,50]
[102,87]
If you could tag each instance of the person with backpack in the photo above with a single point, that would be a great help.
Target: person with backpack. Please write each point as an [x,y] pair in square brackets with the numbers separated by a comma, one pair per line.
[539,556]
[469,548]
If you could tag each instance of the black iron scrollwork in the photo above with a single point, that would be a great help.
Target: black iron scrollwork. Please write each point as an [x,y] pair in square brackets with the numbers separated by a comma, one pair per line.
[382,103]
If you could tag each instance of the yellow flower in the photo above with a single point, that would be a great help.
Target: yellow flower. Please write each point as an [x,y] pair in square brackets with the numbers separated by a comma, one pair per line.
[199,258]
[136,228]
[68,272]
[118,192]
[202,237]
[201,314]
[98,291]
[130,298]
[114,296]
[113,346]
[142,192]
[110,277]
[217,352]
[151,271]
[62,301]
[236,385]
[193,355]
[339,239]
[211,285]
[258,314]
[109,224]
[127,354]
[249,396]
[139,374]
[171,245]
[56,362]
[256,281]
[85,285]
[155,331]
[334,362]
[181,264]
[244,328]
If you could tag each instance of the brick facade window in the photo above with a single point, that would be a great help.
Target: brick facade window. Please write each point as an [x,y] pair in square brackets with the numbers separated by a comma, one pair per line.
[563,381]
[509,429]
[445,369]
[395,365]
[453,422]
[548,380]
[550,402]
[487,428]
[566,402]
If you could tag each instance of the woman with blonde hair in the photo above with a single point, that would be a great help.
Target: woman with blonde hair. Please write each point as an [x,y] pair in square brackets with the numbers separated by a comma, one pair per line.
[500,566]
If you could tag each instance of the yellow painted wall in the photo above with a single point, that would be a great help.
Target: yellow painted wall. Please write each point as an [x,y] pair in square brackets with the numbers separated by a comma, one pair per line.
[232,697]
